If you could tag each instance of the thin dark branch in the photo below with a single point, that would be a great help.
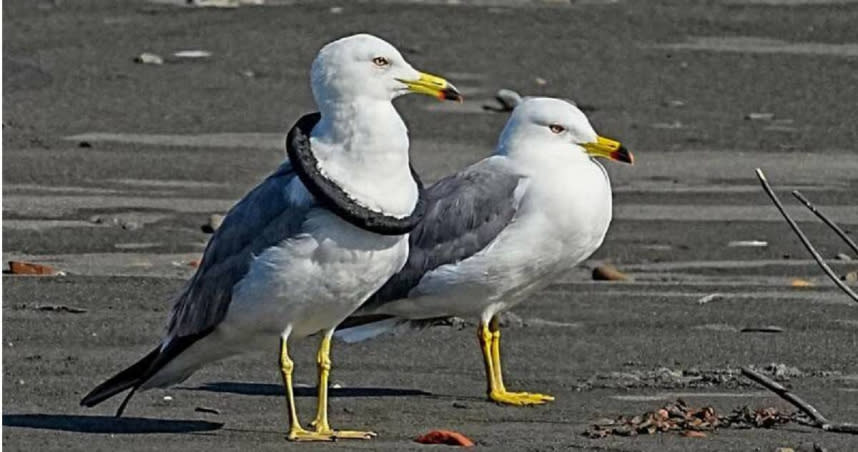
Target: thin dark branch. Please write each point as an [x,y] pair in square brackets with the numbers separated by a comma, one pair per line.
[804,240]
[784,393]
[808,409]
[831,224]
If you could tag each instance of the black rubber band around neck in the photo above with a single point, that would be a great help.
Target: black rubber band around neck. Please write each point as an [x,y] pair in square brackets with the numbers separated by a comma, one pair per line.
[333,197]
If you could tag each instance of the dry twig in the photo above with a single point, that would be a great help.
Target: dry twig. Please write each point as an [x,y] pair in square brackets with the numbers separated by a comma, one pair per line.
[804,240]
[808,409]
[826,220]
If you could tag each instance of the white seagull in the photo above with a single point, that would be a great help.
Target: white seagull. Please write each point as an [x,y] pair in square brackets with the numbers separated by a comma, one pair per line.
[308,245]
[501,229]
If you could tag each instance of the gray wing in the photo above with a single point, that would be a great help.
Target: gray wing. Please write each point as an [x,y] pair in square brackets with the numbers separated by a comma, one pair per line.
[264,217]
[464,214]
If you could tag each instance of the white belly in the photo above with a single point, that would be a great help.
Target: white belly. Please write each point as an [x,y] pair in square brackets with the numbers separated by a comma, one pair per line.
[528,255]
[313,281]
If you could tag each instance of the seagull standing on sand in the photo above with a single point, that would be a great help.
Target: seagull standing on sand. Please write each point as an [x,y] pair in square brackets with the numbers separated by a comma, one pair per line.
[310,243]
[501,229]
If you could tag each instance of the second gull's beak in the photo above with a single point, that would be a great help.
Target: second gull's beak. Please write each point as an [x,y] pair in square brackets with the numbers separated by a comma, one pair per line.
[608,148]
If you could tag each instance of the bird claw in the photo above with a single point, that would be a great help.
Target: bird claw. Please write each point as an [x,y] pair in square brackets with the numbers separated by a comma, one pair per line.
[520,398]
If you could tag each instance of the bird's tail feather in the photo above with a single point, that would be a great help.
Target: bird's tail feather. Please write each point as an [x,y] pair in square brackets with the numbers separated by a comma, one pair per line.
[363,327]
[132,377]
[142,371]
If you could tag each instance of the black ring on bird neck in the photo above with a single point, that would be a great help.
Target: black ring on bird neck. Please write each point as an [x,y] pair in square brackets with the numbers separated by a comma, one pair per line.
[333,197]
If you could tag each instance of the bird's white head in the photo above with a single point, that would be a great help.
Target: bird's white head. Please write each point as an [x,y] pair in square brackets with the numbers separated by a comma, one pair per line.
[540,127]
[365,66]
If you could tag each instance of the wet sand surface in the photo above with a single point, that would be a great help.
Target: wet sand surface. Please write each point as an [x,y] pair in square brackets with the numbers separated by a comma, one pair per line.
[110,168]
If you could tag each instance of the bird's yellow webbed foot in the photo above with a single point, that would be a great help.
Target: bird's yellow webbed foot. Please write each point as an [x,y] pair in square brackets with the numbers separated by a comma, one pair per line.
[322,429]
[489,335]
[300,435]
[520,398]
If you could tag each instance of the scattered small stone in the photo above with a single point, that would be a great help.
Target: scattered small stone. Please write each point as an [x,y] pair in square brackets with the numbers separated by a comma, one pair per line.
[784,449]
[851,276]
[459,405]
[192,54]
[782,372]
[798,282]
[508,100]
[336,9]
[248,73]
[608,272]
[129,224]
[215,3]
[148,58]
[447,437]
[168,398]
[674,103]
[202,409]
[60,308]
[20,382]
[540,81]
[708,298]
[760,116]
[748,244]
[337,386]
[215,220]
[843,257]
[84,144]
[29,268]
[762,329]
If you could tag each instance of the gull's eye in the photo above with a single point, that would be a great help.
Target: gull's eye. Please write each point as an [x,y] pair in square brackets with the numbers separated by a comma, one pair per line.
[557,128]
[381,61]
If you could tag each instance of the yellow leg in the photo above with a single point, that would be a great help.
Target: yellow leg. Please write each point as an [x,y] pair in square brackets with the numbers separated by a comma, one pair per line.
[490,342]
[296,432]
[322,427]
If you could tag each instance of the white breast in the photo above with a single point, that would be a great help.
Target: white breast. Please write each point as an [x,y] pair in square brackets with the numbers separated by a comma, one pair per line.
[314,280]
[561,222]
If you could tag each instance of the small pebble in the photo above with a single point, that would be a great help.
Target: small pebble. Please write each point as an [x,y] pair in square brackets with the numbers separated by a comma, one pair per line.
[202,409]
[192,54]
[215,220]
[843,257]
[608,273]
[168,398]
[760,116]
[148,58]
[336,9]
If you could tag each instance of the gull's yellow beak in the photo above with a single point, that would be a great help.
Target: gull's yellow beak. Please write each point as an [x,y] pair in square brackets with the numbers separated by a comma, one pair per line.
[608,148]
[432,85]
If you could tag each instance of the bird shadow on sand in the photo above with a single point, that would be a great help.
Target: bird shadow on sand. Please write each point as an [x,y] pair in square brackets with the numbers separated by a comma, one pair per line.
[106,424]
[267,389]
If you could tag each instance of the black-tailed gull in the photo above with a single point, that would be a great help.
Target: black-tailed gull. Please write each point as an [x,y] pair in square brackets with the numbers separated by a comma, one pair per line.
[309,244]
[500,229]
